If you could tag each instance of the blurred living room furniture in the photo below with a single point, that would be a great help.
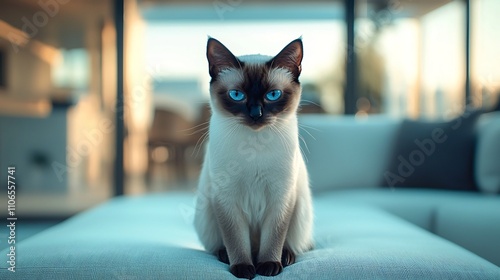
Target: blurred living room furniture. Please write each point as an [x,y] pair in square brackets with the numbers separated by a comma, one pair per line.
[177,134]
[33,137]
[371,220]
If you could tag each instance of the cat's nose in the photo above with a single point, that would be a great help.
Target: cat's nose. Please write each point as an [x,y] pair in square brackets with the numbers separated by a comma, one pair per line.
[256,112]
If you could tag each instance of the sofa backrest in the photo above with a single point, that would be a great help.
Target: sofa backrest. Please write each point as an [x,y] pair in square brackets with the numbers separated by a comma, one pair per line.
[345,151]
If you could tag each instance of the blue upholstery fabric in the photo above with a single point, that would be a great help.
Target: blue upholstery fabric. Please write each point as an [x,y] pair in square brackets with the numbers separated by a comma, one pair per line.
[152,237]
[474,225]
[340,151]
[488,153]
[471,220]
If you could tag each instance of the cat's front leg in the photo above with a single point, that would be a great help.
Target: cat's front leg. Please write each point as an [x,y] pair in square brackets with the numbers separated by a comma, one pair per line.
[274,231]
[235,234]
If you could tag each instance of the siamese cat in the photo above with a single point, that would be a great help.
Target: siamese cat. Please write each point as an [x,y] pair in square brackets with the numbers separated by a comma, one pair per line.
[254,207]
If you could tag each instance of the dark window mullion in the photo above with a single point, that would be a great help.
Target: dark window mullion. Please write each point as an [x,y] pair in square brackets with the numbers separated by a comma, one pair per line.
[350,82]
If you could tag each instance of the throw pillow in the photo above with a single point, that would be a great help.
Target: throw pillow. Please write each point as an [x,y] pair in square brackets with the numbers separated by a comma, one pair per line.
[434,154]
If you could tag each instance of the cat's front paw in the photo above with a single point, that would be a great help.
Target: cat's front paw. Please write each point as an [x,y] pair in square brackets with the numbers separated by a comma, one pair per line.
[269,268]
[287,257]
[243,270]
[222,256]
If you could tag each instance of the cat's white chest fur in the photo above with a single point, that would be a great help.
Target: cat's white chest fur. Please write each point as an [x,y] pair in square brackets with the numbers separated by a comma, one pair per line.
[250,166]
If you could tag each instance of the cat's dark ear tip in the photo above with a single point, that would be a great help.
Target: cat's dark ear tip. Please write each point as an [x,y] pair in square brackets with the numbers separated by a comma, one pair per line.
[212,40]
[297,44]
[212,43]
[298,40]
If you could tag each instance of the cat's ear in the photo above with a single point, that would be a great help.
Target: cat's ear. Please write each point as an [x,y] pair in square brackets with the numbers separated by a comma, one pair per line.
[219,58]
[290,58]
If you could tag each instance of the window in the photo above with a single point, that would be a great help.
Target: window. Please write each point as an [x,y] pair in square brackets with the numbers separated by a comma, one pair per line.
[485,43]
[411,58]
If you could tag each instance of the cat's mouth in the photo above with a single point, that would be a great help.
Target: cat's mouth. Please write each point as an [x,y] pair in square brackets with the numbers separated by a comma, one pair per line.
[260,123]
[255,124]
[257,127]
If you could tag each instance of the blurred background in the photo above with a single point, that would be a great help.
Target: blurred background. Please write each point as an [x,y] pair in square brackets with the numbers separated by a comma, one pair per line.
[107,97]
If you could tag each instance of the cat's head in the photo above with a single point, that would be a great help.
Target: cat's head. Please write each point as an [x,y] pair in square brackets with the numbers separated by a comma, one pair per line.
[257,90]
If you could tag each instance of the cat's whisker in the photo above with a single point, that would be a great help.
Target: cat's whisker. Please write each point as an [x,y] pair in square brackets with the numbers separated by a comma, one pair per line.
[282,137]
[197,131]
[305,143]
[205,136]
[202,144]
[232,125]
[198,145]
[301,138]
[303,154]
[281,121]
[195,127]
[309,127]
[302,150]
[285,145]
[305,130]
[310,102]
[272,127]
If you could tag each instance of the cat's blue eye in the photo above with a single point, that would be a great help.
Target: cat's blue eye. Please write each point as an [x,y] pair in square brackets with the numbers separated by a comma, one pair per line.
[273,95]
[236,95]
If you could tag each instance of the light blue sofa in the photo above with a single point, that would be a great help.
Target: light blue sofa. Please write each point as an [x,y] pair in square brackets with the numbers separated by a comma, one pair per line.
[362,230]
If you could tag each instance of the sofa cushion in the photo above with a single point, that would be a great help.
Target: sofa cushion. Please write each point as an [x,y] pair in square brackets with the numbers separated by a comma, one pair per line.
[339,150]
[152,237]
[474,225]
[434,154]
[488,153]
[471,219]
